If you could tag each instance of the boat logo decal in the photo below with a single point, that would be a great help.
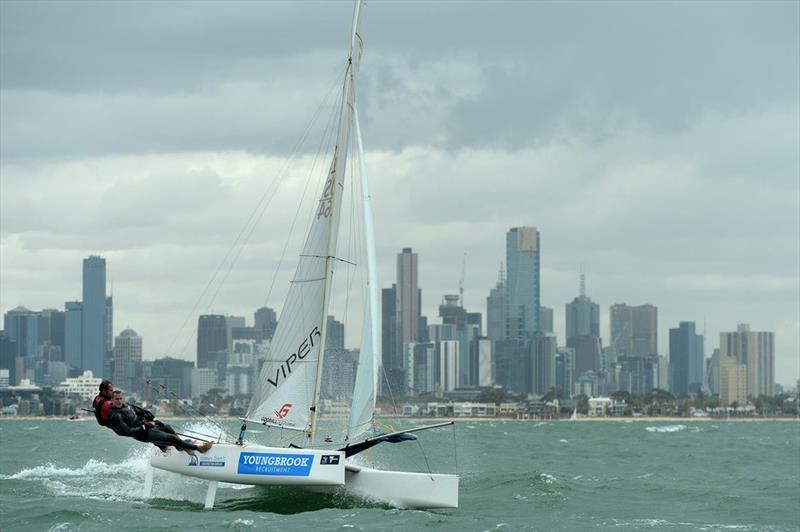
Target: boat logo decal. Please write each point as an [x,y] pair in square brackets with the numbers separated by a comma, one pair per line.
[289,465]
[281,413]
[329,459]
[285,368]
[207,461]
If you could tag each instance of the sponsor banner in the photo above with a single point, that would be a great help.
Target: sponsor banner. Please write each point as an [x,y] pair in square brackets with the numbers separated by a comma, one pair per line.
[288,465]
[329,459]
[208,461]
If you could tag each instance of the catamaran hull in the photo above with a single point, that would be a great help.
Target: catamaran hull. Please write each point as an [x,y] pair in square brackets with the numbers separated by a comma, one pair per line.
[316,470]
[256,465]
[402,489]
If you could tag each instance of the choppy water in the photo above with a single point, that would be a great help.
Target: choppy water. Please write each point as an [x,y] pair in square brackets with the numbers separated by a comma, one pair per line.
[60,475]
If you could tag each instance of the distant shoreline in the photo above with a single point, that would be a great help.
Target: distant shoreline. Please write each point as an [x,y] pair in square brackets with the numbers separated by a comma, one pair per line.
[588,418]
[457,419]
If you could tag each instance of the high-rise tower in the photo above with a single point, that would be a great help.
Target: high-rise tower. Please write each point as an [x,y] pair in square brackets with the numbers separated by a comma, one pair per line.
[755,350]
[583,315]
[127,360]
[522,282]
[634,330]
[686,360]
[212,343]
[94,315]
[408,303]
[496,310]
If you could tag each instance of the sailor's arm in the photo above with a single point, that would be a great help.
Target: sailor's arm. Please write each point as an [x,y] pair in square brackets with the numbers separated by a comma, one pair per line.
[119,425]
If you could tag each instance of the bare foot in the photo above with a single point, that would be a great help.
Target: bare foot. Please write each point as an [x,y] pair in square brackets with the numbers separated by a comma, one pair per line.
[204,448]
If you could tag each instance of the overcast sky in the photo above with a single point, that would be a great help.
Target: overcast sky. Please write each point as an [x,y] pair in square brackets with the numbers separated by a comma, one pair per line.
[656,143]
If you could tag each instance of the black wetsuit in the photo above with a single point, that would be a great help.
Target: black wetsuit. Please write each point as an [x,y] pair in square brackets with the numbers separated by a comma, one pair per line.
[130,422]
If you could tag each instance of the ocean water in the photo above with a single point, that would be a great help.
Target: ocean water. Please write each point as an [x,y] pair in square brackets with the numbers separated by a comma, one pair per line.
[515,475]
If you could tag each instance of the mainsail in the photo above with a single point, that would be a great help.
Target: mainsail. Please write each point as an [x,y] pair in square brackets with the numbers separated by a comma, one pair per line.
[288,387]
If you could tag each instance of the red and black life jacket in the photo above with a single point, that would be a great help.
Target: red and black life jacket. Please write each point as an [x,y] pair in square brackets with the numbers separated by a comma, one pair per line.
[102,407]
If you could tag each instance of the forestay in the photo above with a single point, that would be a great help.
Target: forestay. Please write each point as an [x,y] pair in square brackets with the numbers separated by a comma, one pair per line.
[288,386]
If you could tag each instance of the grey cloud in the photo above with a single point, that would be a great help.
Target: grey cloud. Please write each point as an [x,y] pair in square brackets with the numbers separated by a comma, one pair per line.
[116,46]
[656,142]
[150,77]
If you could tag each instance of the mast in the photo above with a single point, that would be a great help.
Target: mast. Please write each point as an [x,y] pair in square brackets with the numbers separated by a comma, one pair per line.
[338,172]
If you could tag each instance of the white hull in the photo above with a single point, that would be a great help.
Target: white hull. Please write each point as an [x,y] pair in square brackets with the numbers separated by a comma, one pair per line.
[317,470]
[402,489]
[256,465]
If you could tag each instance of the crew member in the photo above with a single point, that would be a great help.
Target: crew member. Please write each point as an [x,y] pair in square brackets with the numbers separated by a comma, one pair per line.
[102,403]
[125,421]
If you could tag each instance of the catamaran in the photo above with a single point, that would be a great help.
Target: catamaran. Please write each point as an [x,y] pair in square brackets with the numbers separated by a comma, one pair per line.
[287,394]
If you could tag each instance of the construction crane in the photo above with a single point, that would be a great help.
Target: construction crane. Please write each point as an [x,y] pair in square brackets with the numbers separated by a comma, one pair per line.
[461,281]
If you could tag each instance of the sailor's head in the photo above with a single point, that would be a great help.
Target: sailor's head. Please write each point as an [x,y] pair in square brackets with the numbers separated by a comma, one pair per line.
[118,397]
[106,388]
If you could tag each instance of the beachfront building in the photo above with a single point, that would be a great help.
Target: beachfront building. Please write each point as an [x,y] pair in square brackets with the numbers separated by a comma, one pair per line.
[605,406]
[86,386]
[732,381]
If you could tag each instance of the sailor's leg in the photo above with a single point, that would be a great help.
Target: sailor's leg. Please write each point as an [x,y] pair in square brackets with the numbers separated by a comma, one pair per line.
[210,495]
[159,438]
[148,482]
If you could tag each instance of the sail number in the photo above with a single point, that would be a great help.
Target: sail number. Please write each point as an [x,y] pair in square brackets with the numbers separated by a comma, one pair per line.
[326,201]
[285,369]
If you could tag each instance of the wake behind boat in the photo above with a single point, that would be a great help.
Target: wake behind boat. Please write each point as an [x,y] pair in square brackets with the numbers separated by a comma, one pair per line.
[287,395]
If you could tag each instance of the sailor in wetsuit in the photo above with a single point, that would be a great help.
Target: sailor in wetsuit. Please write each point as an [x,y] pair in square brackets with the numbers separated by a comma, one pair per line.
[125,420]
[102,403]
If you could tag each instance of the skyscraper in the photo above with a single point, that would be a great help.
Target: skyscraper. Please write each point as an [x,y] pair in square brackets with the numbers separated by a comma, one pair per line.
[57,332]
[73,333]
[496,310]
[109,324]
[543,376]
[212,343]
[583,315]
[732,381]
[546,319]
[522,287]
[588,350]
[231,323]
[266,321]
[390,357]
[634,330]
[565,371]
[756,350]
[22,326]
[93,322]
[338,369]
[127,360]
[686,359]
[452,312]
[408,301]
[175,375]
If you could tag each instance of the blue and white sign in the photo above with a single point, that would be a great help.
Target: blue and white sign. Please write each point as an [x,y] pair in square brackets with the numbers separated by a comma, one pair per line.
[288,465]
[208,461]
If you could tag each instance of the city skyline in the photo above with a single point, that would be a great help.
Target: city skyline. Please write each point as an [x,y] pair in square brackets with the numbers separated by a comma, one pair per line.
[265,315]
[684,198]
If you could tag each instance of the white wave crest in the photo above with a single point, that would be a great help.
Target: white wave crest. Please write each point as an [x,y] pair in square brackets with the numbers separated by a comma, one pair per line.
[121,481]
[666,428]
[547,478]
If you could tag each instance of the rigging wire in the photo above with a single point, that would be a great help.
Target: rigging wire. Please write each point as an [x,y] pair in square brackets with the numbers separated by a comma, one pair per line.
[324,143]
[187,407]
[253,220]
[455,447]
[425,456]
